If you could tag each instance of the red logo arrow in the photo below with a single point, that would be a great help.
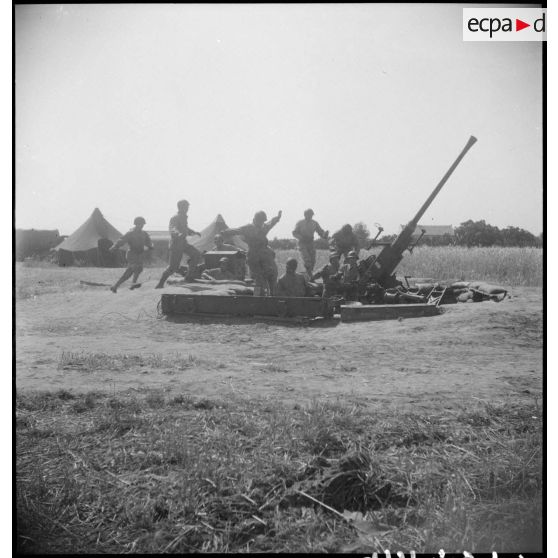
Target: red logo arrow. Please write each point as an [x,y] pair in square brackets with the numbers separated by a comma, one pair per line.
[519,25]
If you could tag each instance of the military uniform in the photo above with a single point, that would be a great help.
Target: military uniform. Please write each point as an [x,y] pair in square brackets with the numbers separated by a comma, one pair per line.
[137,241]
[343,242]
[304,232]
[330,278]
[350,277]
[178,246]
[260,257]
[292,284]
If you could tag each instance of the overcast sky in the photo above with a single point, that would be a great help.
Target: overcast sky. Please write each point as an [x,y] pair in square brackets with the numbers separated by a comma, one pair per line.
[354,110]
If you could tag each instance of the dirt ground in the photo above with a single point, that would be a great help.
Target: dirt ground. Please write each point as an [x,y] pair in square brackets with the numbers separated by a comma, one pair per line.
[489,351]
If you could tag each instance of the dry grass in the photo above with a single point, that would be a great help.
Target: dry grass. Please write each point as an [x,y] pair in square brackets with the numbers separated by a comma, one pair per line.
[515,267]
[150,473]
[504,266]
[88,362]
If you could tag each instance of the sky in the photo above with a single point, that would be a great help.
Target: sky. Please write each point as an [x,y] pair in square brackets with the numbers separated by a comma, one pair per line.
[354,110]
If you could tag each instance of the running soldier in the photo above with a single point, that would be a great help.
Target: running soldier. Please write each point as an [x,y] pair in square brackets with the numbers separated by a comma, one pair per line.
[260,258]
[304,232]
[178,246]
[137,240]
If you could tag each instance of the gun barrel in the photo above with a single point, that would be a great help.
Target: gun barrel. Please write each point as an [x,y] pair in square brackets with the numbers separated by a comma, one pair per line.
[472,140]
[390,256]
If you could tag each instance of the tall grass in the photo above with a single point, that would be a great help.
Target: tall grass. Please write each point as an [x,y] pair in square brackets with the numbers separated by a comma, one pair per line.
[506,266]
[100,473]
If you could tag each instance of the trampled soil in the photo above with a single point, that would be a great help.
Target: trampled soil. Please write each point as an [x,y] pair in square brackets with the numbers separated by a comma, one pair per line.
[490,351]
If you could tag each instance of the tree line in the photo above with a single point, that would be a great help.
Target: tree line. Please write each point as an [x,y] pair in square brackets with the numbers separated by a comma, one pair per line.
[469,233]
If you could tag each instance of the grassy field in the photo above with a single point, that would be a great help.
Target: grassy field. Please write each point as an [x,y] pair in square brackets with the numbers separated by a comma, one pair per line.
[150,471]
[101,473]
[513,267]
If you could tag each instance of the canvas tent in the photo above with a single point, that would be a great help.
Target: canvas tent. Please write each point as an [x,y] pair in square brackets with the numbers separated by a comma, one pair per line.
[90,243]
[204,243]
[31,242]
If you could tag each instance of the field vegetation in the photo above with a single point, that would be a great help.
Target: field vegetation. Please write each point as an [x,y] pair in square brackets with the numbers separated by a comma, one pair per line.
[514,267]
[158,473]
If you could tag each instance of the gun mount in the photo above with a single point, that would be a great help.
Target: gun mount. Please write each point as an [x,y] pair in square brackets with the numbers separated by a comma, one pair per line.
[382,268]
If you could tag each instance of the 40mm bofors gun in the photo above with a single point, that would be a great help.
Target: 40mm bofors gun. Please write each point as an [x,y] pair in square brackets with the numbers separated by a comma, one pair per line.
[380,269]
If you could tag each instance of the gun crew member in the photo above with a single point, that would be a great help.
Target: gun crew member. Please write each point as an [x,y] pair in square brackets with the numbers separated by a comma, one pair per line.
[238,263]
[137,240]
[292,283]
[343,241]
[350,276]
[261,258]
[304,232]
[178,246]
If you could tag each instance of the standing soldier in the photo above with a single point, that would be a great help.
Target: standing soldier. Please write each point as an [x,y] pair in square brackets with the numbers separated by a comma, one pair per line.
[344,241]
[179,230]
[137,240]
[304,233]
[261,258]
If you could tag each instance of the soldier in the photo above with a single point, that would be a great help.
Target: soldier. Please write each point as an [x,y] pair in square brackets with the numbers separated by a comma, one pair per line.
[239,262]
[350,276]
[220,245]
[221,273]
[330,275]
[304,233]
[292,283]
[261,258]
[179,230]
[137,240]
[343,241]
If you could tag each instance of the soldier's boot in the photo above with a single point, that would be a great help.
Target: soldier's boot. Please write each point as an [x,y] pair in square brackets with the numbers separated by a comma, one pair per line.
[166,274]
[125,276]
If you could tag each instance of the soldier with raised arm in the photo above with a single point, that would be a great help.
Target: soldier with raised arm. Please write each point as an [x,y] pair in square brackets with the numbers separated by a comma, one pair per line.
[178,246]
[304,232]
[260,258]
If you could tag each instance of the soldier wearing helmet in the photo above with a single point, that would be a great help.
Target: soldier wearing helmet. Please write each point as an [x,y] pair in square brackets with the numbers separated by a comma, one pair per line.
[178,246]
[260,257]
[344,241]
[137,240]
[304,232]
[350,276]
[293,283]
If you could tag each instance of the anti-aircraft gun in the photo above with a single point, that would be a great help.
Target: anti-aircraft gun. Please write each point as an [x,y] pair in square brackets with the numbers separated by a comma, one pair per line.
[380,269]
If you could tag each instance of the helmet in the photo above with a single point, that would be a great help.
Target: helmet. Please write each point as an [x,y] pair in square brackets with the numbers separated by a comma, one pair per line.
[309,212]
[352,254]
[224,260]
[182,203]
[218,236]
[139,221]
[260,216]
[334,256]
